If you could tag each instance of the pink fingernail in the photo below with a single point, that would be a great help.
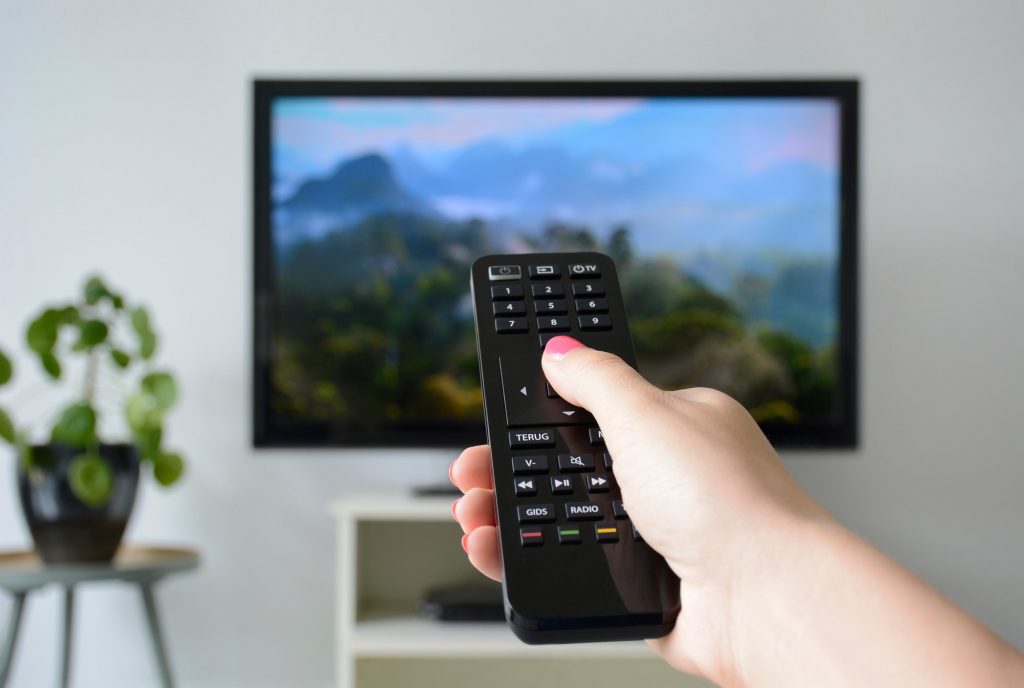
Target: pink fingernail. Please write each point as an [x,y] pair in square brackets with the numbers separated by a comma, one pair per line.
[455,504]
[465,547]
[451,467]
[558,347]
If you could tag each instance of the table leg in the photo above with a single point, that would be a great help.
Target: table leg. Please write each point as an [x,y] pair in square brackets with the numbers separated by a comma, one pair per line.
[154,631]
[69,618]
[7,654]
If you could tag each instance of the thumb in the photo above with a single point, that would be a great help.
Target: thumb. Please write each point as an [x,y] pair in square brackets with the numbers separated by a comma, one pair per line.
[598,381]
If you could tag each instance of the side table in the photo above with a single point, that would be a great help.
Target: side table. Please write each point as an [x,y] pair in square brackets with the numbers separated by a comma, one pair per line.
[23,572]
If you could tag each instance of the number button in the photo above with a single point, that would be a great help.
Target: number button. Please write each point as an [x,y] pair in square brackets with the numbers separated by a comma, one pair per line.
[510,308]
[547,290]
[511,325]
[556,307]
[507,292]
[595,322]
[558,323]
[591,306]
[588,289]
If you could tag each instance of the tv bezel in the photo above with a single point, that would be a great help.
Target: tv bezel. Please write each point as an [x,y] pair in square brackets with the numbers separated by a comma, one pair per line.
[842,434]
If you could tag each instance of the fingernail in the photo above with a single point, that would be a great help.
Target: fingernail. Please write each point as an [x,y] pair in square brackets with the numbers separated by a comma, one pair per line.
[558,347]
[455,504]
[465,547]
[451,467]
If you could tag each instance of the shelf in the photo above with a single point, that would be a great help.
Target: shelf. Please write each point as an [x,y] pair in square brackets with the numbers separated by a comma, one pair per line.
[411,636]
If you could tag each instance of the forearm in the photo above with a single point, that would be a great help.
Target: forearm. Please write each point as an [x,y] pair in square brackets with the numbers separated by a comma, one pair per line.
[832,610]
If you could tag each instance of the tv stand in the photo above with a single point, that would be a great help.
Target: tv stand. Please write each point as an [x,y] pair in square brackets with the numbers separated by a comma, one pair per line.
[390,550]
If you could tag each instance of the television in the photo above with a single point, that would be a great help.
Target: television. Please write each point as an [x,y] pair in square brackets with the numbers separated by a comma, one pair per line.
[729,206]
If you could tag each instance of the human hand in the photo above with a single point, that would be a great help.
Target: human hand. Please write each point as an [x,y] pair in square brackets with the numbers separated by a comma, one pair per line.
[699,480]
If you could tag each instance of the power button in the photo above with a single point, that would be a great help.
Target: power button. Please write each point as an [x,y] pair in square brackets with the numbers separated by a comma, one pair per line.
[504,272]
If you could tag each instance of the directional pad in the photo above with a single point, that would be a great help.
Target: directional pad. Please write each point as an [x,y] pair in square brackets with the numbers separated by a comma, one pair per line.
[527,403]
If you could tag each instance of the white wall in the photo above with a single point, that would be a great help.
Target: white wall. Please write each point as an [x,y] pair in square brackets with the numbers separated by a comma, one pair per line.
[124,146]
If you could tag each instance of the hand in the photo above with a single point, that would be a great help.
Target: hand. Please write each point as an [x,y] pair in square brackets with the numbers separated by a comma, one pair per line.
[773,590]
[698,478]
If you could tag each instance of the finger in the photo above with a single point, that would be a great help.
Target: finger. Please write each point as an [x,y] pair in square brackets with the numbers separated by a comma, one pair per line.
[476,509]
[472,469]
[482,548]
[598,381]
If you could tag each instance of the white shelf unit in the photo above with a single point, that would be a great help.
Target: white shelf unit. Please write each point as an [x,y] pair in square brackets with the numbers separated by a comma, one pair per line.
[390,550]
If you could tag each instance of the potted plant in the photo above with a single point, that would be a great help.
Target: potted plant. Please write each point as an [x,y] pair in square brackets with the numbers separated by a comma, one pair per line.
[78,487]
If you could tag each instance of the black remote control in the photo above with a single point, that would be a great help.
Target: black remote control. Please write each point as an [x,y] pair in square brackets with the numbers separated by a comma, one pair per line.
[575,569]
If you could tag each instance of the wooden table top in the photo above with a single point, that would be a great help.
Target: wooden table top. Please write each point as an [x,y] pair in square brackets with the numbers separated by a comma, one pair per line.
[23,570]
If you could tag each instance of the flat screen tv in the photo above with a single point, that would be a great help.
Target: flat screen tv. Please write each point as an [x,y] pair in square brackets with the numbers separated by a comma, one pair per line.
[730,208]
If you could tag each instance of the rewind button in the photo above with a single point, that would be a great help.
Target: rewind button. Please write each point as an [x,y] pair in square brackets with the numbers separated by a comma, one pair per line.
[526,487]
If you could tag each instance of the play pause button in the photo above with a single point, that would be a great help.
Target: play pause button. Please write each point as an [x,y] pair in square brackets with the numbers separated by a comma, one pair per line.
[597,483]
[561,485]
[526,487]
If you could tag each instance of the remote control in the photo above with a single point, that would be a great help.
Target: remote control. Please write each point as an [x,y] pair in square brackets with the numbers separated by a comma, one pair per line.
[575,568]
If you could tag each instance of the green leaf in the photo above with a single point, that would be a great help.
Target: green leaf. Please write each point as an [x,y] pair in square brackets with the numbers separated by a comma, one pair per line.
[69,315]
[167,468]
[76,427]
[90,334]
[117,301]
[121,358]
[95,290]
[6,427]
[42,332]
[147,346]
[51,365]
[91,479]
[142,413]
[6,369]
[148,441]
[147,338]
[162,388]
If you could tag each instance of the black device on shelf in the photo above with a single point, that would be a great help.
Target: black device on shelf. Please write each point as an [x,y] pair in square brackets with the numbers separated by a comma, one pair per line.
[730,207]
[575,568]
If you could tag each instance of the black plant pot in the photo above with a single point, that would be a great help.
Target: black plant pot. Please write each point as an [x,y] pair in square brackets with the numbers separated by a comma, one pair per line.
[64,529]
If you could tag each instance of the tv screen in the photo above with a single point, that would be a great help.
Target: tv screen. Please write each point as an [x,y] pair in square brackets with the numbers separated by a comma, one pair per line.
[729,208]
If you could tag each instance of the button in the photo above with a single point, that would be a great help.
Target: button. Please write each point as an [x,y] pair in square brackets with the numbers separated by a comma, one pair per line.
[531,537]
[538,513]
[607,461]
[596,437]
[583,511]
[578,270]
[588,289]
[510,308]
[506,292]
[575,463]
[539,272]
[561,484]
[537,437]
[552,394]
[555,307]
[545,338]
[597,483]
[526,401]
[591,306]
[557,323]
[618,509]
[595,322]
[547,290]
[606,532]
[569,536]
[529,465]
[526,487]
[505,325]
[504,272]
[637,537]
